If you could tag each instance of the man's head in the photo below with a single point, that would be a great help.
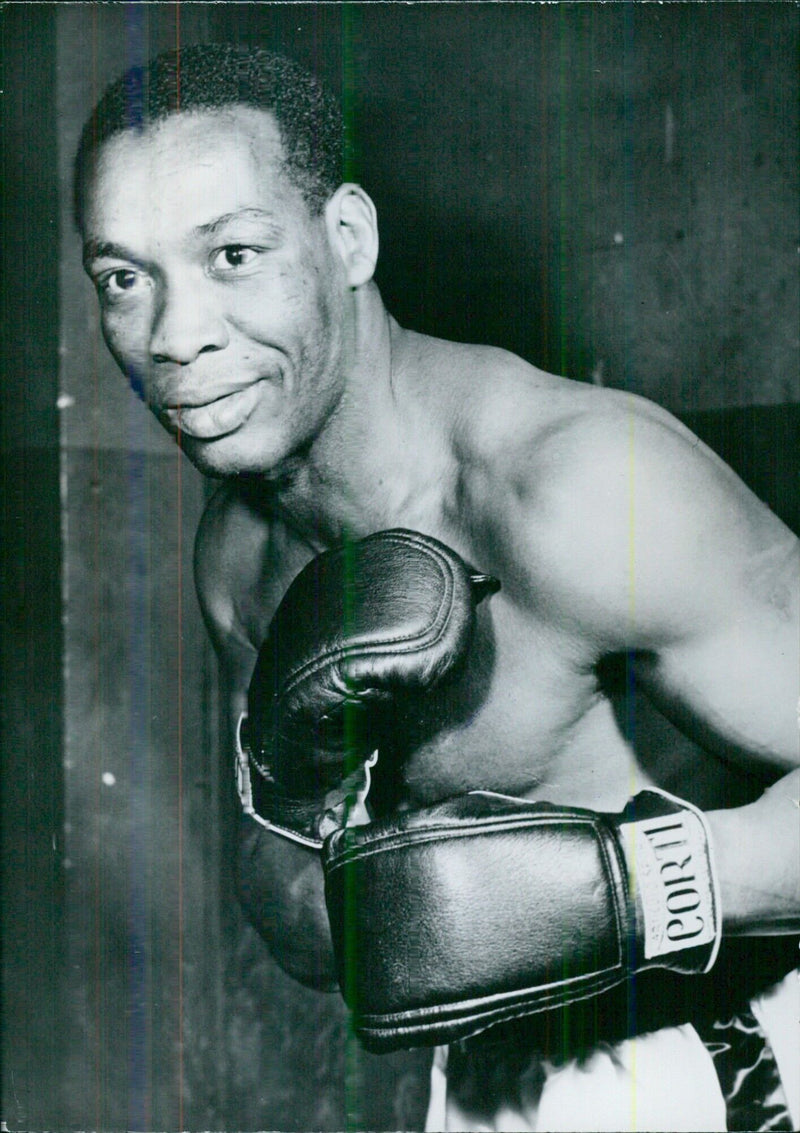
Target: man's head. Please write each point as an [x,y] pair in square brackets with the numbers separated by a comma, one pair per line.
[212,77]
[225,253]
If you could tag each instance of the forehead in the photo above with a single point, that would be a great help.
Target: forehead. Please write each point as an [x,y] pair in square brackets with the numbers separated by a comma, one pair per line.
[189,168]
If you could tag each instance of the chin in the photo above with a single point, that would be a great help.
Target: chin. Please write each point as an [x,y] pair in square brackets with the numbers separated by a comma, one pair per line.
[231,456]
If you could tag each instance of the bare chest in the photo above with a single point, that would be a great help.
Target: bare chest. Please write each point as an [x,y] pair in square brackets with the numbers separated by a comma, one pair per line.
[524,716]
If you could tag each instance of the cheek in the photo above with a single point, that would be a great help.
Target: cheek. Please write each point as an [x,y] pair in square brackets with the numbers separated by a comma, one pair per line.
[292,311]
[127,339]
[325,302]
[124,333]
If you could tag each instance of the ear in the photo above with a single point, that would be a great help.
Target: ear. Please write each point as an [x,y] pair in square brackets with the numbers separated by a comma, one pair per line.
[352,226]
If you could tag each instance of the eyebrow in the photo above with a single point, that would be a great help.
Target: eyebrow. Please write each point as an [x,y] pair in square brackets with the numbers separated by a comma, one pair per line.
[214,226]
[107,249]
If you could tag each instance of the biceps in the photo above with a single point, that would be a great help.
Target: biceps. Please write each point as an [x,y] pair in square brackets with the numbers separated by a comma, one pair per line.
[735,690]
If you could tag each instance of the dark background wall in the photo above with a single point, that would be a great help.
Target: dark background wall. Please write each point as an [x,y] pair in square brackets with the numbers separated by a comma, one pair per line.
[605,189]
[609,190]
[31,645]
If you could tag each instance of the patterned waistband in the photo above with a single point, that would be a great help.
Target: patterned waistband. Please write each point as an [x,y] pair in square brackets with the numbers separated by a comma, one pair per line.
[748,1074]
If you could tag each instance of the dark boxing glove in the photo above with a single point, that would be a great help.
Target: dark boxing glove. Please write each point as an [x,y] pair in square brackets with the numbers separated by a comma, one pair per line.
[484,908]
[357,627]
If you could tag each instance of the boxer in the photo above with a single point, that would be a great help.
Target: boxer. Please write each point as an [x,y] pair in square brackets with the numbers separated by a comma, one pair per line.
[234,271]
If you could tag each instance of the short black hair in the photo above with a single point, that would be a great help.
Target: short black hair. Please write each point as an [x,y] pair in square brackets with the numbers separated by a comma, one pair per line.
[212,76]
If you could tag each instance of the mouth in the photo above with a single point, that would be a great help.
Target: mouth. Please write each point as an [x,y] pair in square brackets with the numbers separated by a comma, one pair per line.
[216,418]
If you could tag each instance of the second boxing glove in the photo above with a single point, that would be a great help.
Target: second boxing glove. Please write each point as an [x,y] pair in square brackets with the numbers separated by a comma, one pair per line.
[358,626]
[483,908]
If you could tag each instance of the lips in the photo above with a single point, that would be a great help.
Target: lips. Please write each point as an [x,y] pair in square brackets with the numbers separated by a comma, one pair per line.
[216,418]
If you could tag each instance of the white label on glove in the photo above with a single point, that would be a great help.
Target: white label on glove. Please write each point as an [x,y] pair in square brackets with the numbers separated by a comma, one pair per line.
[671,872]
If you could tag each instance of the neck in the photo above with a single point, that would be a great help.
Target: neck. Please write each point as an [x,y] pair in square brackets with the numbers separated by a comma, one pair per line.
[382,459]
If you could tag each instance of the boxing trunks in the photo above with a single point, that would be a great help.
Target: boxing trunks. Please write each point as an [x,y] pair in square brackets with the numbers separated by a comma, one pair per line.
[739,1073]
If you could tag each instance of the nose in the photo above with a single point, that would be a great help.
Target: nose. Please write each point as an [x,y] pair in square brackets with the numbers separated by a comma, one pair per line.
[185,326]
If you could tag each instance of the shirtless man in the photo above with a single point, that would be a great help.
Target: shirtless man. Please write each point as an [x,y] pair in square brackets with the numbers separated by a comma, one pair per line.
[235,278]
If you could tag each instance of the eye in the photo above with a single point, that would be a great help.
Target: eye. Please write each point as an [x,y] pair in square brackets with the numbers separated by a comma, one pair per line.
[232,257]
[121,281]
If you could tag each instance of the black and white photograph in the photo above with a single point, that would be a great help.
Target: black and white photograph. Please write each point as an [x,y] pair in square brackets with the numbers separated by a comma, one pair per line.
[400,688]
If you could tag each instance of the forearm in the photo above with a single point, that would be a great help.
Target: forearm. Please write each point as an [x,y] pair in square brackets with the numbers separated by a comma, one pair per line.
[757,853]
[282,891]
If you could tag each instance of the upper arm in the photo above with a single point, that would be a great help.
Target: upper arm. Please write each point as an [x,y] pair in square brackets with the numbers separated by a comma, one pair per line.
[218,570]
[240,574]
[733,680]
[654,547]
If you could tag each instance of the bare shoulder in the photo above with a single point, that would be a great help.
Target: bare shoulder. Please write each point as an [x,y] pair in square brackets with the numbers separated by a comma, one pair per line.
[620,462]
[603,504]
[243,563]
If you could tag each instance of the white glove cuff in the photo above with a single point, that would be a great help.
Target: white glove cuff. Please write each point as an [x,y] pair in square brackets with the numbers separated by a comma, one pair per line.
[671,862]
